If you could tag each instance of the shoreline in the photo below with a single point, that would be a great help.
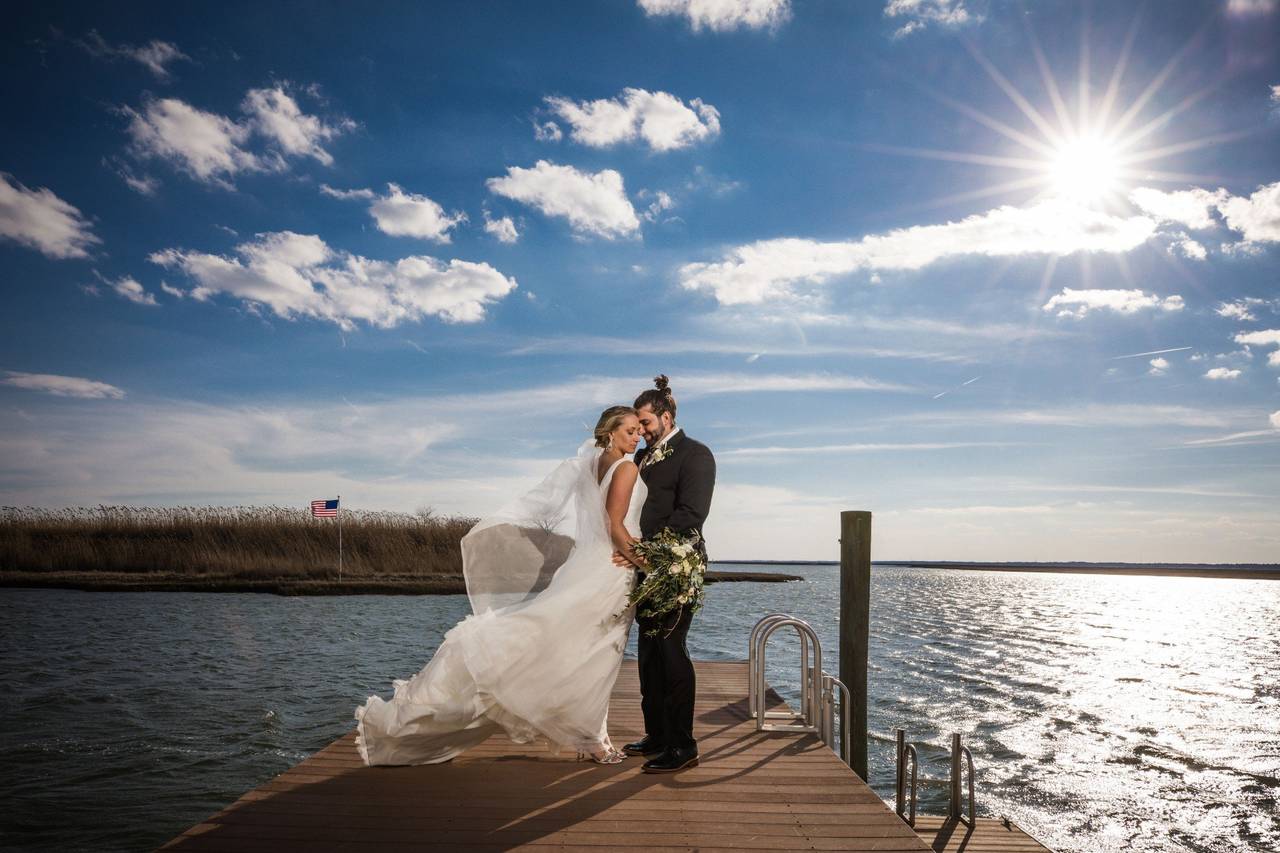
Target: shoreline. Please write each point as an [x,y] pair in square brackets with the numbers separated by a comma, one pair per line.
[358,585]
[1265,571]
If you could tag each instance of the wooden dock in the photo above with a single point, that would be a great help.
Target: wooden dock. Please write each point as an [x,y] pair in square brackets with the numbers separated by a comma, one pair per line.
[753,791]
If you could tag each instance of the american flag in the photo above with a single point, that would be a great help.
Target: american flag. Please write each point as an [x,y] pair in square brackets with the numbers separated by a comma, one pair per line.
[324,509]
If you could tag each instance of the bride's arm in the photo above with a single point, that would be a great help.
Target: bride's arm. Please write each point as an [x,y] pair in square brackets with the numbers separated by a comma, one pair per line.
[616,504]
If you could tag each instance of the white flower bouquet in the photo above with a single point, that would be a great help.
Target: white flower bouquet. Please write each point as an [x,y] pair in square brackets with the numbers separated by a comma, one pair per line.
[675,576]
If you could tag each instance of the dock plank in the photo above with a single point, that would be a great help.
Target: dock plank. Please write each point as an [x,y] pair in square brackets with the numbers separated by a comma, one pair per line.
[753,791]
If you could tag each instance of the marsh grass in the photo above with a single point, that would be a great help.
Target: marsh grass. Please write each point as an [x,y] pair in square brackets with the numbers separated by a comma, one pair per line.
[233,542]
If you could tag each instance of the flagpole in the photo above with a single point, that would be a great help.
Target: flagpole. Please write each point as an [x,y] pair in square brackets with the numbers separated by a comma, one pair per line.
[339,538]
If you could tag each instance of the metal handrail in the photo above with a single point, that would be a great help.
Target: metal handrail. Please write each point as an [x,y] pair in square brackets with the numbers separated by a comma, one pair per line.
[829,716]
[810,676]
[817,687]
[954,807]
[900,795]
[753,663]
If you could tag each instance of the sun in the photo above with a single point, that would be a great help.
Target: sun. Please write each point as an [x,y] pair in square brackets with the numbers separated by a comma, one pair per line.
[1085,168]
[1089,147]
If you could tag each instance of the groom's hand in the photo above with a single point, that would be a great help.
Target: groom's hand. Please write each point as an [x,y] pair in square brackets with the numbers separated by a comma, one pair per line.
[621,561]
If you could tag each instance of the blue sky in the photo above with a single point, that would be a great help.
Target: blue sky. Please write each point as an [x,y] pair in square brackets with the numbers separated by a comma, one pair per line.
[1004,274]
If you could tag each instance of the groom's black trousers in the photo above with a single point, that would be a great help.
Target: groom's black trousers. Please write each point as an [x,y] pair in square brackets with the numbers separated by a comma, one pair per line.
[667,680]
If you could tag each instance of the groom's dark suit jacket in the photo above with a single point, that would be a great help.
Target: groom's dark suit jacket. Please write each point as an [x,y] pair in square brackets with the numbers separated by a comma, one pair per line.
[680,487]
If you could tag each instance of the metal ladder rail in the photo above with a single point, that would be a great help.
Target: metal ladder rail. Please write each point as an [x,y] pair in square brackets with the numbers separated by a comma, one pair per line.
[906,809]
[956,752]
[754,702]
[818,688]
[808,720]
[900,789]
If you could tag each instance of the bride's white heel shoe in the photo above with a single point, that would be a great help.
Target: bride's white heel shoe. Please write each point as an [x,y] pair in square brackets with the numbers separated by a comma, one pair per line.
[611,756]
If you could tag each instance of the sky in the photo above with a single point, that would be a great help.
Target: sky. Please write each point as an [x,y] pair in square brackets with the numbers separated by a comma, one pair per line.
[1004,274]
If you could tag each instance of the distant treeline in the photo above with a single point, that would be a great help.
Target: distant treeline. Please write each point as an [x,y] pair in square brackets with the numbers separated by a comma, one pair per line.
[246,543]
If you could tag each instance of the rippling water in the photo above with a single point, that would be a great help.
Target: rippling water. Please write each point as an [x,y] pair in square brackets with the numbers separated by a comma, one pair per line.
[1104,714]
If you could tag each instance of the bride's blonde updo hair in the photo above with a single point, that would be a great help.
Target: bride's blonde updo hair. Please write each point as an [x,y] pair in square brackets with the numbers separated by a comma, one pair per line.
[610,419]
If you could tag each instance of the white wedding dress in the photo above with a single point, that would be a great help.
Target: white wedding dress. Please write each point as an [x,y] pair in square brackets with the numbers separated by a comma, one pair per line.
[543,648]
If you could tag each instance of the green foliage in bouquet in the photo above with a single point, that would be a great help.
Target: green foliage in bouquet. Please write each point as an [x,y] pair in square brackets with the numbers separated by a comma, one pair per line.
[675,576]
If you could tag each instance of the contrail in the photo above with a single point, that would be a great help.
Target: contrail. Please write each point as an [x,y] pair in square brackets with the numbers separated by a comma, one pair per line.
[1153,352]
[957,388]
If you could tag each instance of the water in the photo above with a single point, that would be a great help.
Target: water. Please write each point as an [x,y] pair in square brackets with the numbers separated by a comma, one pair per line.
[1104,714]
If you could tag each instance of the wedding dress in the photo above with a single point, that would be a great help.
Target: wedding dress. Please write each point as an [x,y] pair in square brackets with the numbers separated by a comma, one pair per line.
[541,651]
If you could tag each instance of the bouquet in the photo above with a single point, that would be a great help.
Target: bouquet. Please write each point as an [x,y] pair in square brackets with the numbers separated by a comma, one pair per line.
[675,576]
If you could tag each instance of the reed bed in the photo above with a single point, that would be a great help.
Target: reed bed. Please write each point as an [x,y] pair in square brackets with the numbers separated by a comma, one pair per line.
[242,542]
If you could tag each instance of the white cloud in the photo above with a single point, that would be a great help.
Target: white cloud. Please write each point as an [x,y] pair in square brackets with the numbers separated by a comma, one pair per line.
[206,146]
[214,148]
[1275,420]
[594,203]
[722,15]
[275,114]
[1240,309]
[737,383]
[1191,208]
[299,275]
[155,55]
[1078,303]
[1249,8]
[40,220]
[1263,338]
[1189,248]
[770,269]
[547,131]
[1256,217]
[141,184]
[1159,366]
[661,120]
[62,386]
[402,214]
[504,229]
[921,13]
[1221,373]
[348,195]
[869,447]
[172,291]
[661,202]
[129,288]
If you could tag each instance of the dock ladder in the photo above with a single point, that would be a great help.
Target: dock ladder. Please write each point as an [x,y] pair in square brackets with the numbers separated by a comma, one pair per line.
[818,688]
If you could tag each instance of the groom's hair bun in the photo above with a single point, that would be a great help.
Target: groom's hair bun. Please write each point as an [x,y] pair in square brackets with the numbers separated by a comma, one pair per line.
[659,397]
[610,418]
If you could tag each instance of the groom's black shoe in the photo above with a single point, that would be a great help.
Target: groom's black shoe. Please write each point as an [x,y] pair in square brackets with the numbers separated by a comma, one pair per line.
[675,758]
[647,745]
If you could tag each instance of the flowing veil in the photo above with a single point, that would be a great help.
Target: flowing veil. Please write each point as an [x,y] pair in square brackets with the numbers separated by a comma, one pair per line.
[511,556]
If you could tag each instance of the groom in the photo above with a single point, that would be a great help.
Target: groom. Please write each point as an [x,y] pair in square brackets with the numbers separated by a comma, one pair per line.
[680,474]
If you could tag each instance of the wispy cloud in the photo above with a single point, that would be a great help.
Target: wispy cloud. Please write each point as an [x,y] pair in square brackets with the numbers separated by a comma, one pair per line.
[722,15]
[42,221]
[156,56]
[775,269]
[1078,303]
[864,447]
[62,386]
[922,13]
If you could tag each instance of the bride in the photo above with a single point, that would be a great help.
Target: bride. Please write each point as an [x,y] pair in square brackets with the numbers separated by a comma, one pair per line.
[542,650]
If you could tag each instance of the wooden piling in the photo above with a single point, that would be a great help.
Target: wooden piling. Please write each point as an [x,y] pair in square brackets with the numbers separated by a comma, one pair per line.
[855,627]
